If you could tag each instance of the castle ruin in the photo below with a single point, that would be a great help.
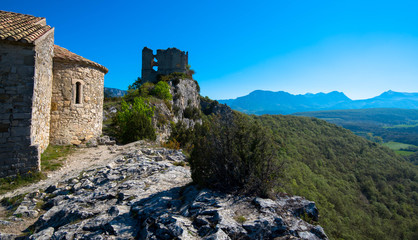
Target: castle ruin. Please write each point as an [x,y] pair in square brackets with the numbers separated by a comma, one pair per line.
[47,94]
[163,63]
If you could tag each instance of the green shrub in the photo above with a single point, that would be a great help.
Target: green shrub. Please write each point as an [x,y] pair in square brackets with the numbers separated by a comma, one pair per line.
[133,121]
[182,135]
[197,86]
[143,91]
[240,219]
[175,77]
[192,113]
[162,91]
[146,89]
[238,155]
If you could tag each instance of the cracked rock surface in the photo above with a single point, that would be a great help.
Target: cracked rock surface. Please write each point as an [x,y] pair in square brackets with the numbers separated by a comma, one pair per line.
[146,193]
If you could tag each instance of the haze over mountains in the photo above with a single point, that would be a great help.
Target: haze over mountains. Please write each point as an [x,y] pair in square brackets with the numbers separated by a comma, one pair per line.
[267,102]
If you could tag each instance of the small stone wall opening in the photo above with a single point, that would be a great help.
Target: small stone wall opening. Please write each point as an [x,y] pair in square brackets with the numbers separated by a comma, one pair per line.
[77,93]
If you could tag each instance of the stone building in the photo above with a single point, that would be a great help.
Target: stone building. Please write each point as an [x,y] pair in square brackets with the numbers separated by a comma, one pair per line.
[164,62]
[47,93]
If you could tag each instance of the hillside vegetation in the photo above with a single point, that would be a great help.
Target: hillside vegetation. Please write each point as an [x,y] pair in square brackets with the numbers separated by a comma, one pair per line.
[363,190]
[395,128]
[391,124]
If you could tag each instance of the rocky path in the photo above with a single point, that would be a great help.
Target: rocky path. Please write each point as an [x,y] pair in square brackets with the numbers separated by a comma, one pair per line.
[81,160]
[140,192]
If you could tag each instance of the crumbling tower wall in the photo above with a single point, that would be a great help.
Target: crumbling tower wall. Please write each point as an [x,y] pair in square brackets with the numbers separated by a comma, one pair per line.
[164,62]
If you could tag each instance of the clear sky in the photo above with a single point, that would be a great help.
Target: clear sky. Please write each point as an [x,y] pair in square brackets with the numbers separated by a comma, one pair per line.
[361,48]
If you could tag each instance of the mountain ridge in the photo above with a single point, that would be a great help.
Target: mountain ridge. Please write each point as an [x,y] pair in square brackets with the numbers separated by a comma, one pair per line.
[114,92]
[268,102]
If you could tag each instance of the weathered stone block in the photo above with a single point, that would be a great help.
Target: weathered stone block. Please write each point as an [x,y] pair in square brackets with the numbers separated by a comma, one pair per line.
[21,115]
[4,127]
[20,131]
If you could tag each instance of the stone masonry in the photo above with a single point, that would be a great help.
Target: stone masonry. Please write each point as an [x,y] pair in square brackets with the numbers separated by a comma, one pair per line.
[27,84]
[25,79]
[71,122]
[165,61]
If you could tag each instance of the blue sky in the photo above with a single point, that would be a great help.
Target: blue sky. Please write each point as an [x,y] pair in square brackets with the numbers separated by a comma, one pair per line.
[361,48]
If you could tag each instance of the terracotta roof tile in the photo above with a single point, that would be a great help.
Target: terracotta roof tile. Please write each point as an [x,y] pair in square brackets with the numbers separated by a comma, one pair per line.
[21,27]
[62,54]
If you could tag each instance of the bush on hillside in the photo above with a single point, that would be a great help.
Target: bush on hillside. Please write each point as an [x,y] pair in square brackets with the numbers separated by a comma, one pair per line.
[237,156]
[162,91]
[133,121]
[182,135]
[192,113]
[175,76]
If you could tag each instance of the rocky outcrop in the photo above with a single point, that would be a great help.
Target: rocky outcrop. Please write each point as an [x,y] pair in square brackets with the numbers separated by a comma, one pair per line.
[147,194]
[185,108]
[185,96]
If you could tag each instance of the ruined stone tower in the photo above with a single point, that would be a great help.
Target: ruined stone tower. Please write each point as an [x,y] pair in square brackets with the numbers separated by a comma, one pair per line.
[164,62]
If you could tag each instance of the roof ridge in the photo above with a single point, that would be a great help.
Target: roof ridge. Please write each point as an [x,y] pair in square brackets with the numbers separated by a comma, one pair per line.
[2,12]
[19,27]
[63,54]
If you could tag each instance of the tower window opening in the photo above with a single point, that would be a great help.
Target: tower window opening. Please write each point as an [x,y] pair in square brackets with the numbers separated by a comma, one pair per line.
[155,64]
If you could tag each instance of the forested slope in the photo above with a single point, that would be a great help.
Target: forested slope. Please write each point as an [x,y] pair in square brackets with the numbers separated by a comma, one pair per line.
[391,124]
[363,190]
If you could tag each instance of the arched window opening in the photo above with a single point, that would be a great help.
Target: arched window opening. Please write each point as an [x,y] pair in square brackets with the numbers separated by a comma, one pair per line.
[77,93]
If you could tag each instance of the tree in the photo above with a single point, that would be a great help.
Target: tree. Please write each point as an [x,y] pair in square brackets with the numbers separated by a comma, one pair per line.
[235,156]
[162,91]
[133,121]
[136,85]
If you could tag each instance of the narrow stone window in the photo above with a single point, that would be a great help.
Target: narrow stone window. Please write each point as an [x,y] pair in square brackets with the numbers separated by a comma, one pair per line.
[78,92]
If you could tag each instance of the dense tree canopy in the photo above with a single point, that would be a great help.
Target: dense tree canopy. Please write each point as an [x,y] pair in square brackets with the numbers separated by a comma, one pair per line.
[363,190]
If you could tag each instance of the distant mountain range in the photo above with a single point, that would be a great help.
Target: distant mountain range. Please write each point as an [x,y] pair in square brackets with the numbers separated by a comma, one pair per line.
[268,102]
[114,92]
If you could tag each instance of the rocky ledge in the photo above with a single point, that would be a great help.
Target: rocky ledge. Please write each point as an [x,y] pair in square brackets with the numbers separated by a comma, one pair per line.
[147,194]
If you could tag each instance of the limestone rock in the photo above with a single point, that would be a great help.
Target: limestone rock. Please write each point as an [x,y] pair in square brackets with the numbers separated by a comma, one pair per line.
[137,197]
[185,99]
[43,235]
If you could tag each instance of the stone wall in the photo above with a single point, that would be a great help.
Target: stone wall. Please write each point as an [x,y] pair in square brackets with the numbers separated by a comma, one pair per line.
[73,123]
[20,107]
[171,60]
[166,62]
[42,92]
